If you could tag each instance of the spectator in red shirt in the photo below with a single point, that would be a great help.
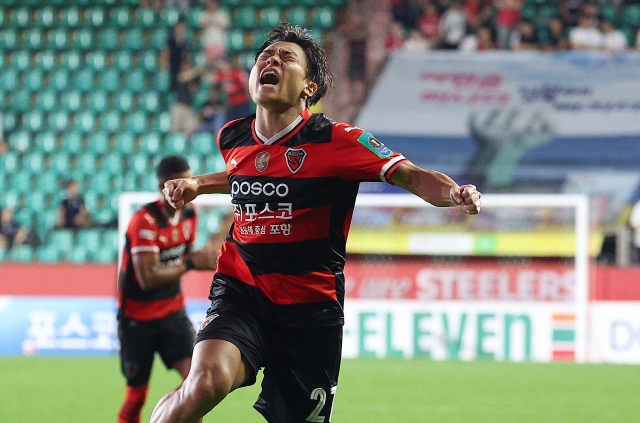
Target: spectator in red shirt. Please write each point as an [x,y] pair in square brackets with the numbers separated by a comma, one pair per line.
[428,24]
[395,37]
[507,20]
[234,81]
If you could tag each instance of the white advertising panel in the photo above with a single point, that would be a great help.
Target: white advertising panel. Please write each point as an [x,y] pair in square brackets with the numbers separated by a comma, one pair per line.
[615,332]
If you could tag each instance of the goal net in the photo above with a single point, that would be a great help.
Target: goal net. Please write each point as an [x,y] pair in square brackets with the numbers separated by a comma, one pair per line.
[508,284]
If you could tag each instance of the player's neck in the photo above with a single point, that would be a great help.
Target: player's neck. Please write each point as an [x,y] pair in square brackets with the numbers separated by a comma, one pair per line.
[270,122]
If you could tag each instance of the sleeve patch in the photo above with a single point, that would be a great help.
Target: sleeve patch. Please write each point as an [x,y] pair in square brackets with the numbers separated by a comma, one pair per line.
[147,234]
[376,147]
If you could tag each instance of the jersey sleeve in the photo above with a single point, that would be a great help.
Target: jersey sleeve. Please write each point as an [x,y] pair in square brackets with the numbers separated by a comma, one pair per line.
[360,156]
[143,233]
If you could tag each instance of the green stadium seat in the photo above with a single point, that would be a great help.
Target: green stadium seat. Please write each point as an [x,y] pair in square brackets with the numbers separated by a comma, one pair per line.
[134,40]
[203,143]
[59,80]
[106,255]
[21,17]
[161,81]
[231,3]
[58,39]
[60,162]
[90,239]
[9,79]
[45,222]
[10,199]
[36,201]
[20,101]
[110,80]
[9,38]
[137,122]
[631,15]
[122,60]
[21,181]
[69,17]
[140,163]
[46,60]
[47,101]
[245,18]
[46,142]
[21,60]
[109,39]
[72,142]
[149,61]
[84,80]
[20,141]
[33,79]
[86,163]
[112,121]
[58,121]
[99,142]
[270,17]
[45,17]
[176,144]
[120,17]
[125,143]
[82,39]
[159,38]
[77,254]
[71,101]
[195,164]
[324,17]
[258,37]
[48,254]
[162,122]
[124,101]
[150,143]
[34,162]
[97,101]
[236,40]
[146,17]
[9,121]
[169,16]
[193,18]
[611,13]
[96,60]
[33,121]
[297,16]
[33,39]
[135,80]
[48,182]
[85,122]
[95,17]
[150,102]
[21,254]
[71,61]
[99,182]
[113,163]
[4,17]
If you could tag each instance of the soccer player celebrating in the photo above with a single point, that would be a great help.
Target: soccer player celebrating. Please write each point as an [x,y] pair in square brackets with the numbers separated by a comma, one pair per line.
[151,309]
[278,292]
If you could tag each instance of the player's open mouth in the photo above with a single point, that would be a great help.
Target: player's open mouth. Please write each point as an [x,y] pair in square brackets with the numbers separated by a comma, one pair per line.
[269,78]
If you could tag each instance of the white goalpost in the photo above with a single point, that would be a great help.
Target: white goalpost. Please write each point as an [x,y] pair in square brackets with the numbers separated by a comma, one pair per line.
[535,325]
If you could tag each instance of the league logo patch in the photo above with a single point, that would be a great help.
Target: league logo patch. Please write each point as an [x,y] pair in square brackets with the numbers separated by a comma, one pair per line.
[295,158]
[130,369]
[262,161]
[374,145]
[208,320]
[175,235]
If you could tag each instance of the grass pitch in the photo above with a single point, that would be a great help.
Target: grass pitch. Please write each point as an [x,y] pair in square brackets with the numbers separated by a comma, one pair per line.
[83,390]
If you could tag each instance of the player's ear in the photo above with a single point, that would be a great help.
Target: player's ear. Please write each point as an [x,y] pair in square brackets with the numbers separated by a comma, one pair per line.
[309,89]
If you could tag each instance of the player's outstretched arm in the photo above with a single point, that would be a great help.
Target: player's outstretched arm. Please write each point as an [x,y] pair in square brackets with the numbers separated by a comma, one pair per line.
[437,188]
[179,192]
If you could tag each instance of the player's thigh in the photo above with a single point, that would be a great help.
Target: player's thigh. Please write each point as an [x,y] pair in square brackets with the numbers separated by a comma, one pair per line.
[174,338]
[301,375]
[137,351]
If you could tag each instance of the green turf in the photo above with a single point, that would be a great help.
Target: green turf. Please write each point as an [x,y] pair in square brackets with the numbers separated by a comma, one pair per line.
[69,390]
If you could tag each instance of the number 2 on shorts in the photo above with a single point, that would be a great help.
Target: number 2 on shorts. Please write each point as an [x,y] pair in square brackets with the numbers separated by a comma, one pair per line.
[320,395]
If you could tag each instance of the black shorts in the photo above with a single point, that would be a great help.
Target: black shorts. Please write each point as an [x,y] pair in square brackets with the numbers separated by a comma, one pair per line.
[172,337]
[301,365]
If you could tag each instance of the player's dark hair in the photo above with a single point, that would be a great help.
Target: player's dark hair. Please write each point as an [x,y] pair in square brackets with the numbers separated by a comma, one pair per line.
[318,67]
[170,166]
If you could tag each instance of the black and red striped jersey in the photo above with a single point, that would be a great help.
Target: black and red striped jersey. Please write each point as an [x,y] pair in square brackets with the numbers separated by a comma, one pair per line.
[293,198]
[152,231]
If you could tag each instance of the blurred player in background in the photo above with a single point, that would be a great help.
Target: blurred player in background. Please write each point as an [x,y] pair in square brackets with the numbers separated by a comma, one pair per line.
[278,292]
[151,310]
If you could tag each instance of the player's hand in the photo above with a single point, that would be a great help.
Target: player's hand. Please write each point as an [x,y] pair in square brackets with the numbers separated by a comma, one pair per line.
[204,259]
[467,199]
[178,192]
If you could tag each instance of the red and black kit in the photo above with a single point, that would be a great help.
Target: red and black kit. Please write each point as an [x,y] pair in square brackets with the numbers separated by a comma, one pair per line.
[293,198]
[152,231]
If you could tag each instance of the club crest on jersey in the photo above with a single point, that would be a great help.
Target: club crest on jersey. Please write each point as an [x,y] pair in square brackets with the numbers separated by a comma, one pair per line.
[374,145]
[175,235]
[262,161]
[208,320]
[295,158]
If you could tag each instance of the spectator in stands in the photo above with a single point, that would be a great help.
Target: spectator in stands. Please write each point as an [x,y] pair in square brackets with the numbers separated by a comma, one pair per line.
[72,213]
[570,11]
[12,234]
[176,51]
[234,81]
[480,40]
[556,39]
[407,12]
[214,23]
[395,37]
[416,43]
[612,39]
[586,36]
[212,112]
[526,38]
[634,224]
[184,118]
[183,5]
[428,24]
[452,27]
[508,18]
